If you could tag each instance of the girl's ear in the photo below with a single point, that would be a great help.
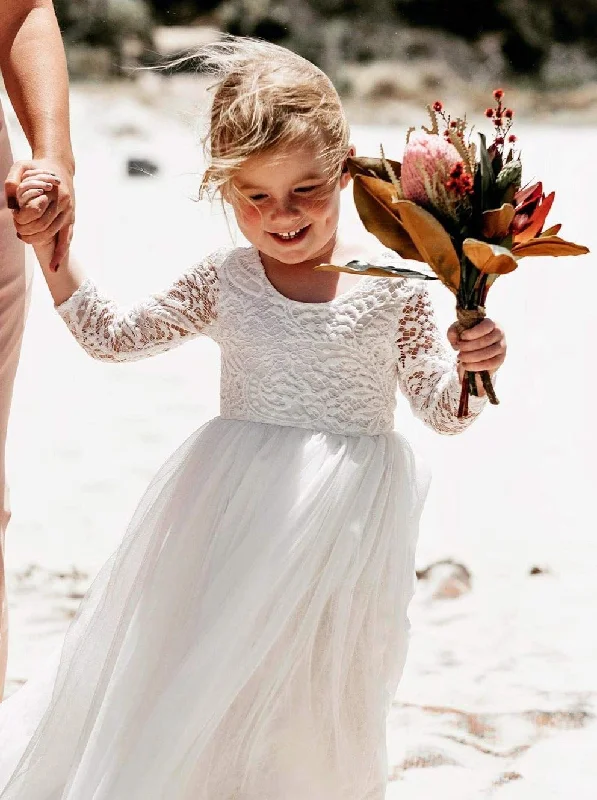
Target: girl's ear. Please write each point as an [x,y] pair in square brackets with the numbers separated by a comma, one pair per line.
[345,174]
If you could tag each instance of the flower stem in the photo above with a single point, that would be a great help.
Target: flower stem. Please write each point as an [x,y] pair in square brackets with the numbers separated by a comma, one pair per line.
[489,390]
[463,404]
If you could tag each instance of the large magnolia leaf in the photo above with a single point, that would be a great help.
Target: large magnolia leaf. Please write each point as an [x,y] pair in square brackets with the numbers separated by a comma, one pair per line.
[549,246]
[373,167]
[496,223]
[377,206]
[432,241]
[489,258]
[381,270]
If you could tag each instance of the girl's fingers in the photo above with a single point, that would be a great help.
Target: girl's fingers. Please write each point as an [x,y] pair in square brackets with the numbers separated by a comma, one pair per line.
[472,358]
[483,341]
[490,365]
[36,226]
[26,196]
[47,234]
[63,241]
[480,329]
[33,210]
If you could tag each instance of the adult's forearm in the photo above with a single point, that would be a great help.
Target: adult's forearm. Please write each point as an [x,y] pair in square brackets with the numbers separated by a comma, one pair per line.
[33,65]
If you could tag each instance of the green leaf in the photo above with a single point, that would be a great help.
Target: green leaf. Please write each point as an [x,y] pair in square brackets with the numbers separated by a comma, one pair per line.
[487,175]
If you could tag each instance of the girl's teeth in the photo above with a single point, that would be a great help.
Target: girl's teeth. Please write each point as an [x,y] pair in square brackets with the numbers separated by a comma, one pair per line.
[290,235]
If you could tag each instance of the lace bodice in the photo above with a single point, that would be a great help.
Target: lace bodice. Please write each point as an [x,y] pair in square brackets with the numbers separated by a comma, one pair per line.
[331,366]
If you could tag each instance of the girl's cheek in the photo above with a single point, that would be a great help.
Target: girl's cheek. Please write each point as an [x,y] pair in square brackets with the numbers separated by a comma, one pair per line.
[249,215]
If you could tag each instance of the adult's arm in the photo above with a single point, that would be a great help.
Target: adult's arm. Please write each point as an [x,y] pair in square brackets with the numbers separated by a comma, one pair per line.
[33,66]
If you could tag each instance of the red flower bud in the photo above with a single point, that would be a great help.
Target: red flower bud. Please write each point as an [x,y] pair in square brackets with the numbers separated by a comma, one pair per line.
[489,113]
[508,113]
[498,94]
[512,138]
[499,140]
[453,124]
[437,106]
[497,122]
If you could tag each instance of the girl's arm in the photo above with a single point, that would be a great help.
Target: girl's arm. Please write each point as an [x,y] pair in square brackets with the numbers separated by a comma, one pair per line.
[160,322]
[427,371]
[33,65]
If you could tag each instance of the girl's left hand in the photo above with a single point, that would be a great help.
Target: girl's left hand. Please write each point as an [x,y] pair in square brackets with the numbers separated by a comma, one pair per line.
[481,348]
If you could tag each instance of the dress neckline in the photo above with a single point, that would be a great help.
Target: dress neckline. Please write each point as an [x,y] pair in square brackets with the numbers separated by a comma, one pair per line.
[325,303]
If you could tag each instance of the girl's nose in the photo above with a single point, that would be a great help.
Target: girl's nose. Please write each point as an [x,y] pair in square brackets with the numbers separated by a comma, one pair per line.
[286,209]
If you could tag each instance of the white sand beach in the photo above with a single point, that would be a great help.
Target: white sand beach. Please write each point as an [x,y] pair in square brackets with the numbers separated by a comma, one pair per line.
[499,696]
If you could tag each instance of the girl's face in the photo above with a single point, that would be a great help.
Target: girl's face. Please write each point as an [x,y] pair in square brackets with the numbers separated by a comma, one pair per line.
[286,206]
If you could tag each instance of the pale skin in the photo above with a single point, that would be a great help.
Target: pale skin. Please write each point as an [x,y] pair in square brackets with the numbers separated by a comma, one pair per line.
[33,65]
[277,194]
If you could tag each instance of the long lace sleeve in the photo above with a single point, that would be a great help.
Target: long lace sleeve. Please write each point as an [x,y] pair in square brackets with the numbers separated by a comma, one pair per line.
[427,373]
[160,322]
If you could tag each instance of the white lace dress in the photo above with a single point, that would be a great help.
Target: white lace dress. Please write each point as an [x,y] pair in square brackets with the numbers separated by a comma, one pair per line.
[247,636]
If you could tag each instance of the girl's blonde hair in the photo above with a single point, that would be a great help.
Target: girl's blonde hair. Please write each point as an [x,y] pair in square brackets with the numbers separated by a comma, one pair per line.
[267,97]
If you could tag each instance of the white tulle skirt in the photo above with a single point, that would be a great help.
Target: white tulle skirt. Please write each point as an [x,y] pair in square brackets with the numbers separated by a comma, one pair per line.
[246,638]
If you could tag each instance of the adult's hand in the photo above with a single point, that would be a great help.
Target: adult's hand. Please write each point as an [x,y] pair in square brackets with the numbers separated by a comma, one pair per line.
[52,216]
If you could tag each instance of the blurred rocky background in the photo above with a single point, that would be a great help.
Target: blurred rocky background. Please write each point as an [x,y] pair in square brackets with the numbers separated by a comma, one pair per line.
[383,55]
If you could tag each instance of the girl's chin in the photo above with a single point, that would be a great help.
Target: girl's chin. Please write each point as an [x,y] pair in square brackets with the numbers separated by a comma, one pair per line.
[295,252]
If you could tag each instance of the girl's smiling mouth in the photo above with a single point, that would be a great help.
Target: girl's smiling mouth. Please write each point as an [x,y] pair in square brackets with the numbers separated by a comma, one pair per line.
[291,236]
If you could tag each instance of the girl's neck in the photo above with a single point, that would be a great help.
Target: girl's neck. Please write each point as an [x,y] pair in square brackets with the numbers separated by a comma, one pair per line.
[300,282]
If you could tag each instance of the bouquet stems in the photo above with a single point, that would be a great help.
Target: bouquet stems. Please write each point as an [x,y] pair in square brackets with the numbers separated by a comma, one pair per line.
[468,318]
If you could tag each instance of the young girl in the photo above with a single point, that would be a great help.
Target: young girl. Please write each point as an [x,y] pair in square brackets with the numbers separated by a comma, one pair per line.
[247,637]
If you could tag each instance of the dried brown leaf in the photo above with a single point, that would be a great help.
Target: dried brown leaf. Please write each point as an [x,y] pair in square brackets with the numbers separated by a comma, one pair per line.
[489,258]
[496,223]
[376,203]
[432,241]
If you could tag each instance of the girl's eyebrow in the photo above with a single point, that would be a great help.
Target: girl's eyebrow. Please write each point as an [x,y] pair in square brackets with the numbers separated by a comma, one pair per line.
[249,187]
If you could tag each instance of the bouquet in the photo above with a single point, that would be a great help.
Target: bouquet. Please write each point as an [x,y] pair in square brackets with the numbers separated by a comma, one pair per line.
[458,206]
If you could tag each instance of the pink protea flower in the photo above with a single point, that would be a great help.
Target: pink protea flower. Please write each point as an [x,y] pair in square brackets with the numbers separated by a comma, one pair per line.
[426,158]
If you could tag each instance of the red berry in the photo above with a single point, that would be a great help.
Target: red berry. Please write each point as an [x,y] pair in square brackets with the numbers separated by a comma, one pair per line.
[512,138]
[453,124]
[497,123]
[437,106]
[498,94]
[508,113]
[489,113]
[499,140]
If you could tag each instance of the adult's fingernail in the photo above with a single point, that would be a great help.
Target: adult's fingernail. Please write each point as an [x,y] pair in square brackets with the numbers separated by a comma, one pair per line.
[11,202]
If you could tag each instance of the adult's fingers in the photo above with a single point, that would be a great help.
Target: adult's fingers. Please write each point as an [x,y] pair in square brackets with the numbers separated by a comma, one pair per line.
[11,183]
